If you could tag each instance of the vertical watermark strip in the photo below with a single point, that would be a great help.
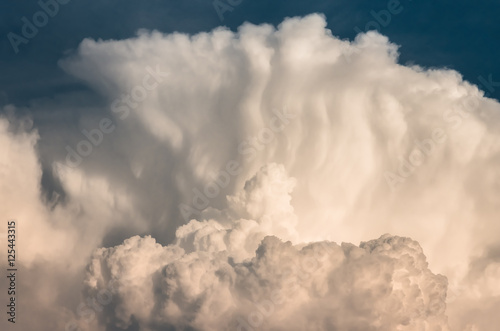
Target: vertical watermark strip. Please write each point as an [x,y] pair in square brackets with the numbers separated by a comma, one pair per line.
[11,270]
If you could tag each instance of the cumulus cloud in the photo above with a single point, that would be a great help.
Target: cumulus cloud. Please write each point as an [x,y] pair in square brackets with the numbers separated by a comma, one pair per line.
[232,149]
[382,285]
[198,283]
[374,139]
[52,237]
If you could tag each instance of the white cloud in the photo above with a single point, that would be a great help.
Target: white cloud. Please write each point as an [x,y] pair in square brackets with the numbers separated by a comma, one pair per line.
[354,114]
[384,284]
[322,286]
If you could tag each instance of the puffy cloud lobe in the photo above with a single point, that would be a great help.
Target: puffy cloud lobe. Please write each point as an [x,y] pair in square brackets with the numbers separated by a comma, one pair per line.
[262,207]
[211,279]
[382,285]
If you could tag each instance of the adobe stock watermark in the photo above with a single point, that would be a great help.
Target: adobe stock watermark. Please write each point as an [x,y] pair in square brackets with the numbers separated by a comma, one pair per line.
[381,18]
[418,155]
[291,278]
[88,310]
[424,150]
[454,118]
[121,106]
[488,83]
[30,28]
[222,6]
[249,148]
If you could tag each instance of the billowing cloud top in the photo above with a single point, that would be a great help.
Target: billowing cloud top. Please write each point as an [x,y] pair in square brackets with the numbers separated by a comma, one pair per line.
[198,283]
[246,154]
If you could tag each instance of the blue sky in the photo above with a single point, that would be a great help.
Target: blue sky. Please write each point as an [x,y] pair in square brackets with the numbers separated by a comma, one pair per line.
[460,35]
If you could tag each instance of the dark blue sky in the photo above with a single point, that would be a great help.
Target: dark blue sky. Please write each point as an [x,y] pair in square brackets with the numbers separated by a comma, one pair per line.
[461,35]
